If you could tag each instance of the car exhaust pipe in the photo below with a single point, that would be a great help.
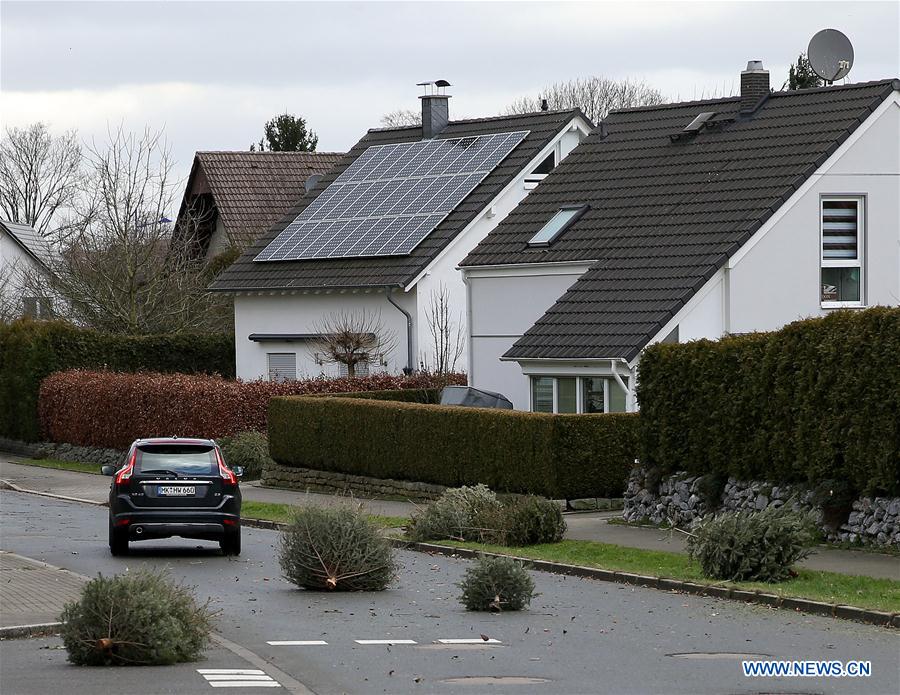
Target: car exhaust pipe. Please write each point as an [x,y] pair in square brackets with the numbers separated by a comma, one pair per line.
[139,530]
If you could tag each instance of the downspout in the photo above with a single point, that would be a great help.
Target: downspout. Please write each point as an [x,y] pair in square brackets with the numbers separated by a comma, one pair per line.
[409,330]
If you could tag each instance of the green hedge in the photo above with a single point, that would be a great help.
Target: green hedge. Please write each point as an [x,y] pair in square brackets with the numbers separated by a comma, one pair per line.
[560,456]
[30,350]
[432,396]
[815,401]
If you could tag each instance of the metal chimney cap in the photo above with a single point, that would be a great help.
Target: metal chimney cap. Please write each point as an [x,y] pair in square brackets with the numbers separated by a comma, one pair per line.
[755,66]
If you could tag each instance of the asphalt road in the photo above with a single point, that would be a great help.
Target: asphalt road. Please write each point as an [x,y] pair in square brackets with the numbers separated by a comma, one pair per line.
[580,636]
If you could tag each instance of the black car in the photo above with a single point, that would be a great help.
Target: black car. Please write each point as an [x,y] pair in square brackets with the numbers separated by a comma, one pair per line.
[174,487]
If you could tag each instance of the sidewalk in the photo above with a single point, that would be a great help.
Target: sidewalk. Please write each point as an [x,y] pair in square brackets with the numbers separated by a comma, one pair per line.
[584,526]
[33,593]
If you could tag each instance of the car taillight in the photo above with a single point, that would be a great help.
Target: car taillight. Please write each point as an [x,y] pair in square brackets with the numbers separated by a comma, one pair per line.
[126,471]
[227,474]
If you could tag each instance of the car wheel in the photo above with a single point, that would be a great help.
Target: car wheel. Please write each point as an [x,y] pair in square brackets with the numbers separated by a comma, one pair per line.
[231,543]
[118,540]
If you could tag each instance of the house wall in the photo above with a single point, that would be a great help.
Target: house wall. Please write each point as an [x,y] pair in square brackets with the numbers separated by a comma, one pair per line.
[218,242]
[14,263]
[300,313]
[777,280]
[444,272]
[504,304]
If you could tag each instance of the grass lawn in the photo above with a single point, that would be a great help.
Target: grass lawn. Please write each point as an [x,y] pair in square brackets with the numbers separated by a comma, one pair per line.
[272,511]
[79,466]
[829,587]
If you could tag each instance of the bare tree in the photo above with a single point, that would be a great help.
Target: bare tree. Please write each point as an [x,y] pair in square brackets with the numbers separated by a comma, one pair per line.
[121,270]
[39,175]
[350,338]
[595,96]
[401,118]
[447,332]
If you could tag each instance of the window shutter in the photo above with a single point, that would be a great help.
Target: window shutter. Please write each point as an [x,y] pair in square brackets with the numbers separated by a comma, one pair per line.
[840,229]
[282,366]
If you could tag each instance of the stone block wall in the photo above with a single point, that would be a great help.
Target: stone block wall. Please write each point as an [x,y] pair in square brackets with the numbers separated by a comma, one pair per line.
[678,500]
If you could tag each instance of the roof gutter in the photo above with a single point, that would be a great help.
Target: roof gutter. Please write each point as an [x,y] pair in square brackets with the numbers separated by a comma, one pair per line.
[408,369]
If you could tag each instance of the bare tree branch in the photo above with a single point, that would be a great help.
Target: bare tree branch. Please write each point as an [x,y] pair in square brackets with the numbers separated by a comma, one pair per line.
[401,118]
[351,337]
[447,333]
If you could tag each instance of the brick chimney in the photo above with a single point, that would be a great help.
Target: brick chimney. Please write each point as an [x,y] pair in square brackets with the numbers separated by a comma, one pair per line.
[754,86]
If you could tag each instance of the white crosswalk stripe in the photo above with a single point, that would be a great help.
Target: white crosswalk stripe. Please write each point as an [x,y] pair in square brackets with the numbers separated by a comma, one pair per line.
[384,641]
[298,643]
[475,640]
[238,678]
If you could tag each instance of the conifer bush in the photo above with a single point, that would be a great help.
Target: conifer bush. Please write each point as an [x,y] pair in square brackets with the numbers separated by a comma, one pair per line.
[335,549]
[247,449]
[751,546]
[496,584]
[458,514]
[530,520]
[140,618]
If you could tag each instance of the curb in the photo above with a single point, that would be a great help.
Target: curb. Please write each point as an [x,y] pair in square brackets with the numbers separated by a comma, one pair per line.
[6,485]
[36,630]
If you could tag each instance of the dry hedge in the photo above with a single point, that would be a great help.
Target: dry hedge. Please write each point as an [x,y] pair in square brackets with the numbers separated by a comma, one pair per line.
[112,409]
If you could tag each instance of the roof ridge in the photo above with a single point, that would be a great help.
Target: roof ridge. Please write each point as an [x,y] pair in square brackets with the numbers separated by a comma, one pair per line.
[484,119]
[893,81]
[249,153]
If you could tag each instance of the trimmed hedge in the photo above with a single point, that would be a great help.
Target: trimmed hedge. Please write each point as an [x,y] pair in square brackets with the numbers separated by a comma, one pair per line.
[817,400]
[560,456]
[30,350]
[112,409]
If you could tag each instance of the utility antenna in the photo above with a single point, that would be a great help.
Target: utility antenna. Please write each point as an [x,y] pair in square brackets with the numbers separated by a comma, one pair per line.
[830,55]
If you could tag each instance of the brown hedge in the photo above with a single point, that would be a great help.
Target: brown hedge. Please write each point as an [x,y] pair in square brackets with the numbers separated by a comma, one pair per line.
[110,409]
[561,456]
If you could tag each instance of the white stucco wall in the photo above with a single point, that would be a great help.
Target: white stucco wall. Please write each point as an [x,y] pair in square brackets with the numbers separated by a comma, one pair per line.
[15,263]
[300,313]
[504,303]
[778,279]
[218,242]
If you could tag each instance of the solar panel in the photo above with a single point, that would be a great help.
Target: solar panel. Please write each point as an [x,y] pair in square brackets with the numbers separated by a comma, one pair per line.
[390,198]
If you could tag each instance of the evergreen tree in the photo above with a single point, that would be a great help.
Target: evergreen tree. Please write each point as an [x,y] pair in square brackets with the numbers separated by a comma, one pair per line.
[287,133]
[801,75]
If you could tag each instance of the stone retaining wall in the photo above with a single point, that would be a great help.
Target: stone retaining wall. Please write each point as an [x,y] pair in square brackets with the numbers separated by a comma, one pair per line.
[276,475]
[678,500]
[62,452]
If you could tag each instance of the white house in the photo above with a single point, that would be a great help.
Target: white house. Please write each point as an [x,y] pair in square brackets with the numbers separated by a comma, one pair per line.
[685,221]
[23,254]
[383,234]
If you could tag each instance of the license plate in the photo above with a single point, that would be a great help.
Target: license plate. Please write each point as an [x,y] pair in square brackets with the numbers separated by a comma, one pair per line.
[176,491]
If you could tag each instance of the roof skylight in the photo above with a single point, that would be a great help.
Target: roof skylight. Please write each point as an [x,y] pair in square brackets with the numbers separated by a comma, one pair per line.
[557,224]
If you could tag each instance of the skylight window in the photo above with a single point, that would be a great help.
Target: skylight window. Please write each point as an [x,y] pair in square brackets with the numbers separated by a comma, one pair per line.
[557,224]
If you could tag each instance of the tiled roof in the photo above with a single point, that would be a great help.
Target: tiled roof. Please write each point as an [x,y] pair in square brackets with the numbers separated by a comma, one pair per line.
[665,216]
[30,240]
[253,190]
[244,274]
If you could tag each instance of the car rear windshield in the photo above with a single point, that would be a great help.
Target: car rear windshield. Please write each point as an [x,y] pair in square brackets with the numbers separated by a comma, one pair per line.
[179,459]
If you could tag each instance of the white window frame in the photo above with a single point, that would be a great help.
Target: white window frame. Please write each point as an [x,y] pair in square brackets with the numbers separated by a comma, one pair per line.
[858,262]
[579,391]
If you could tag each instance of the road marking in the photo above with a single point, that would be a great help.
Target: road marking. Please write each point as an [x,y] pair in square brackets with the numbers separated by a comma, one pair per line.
[238,678]
[475,640]
[385,641]
[298,643]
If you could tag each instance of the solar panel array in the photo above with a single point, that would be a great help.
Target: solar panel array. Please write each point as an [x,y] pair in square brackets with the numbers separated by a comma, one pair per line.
[390,198]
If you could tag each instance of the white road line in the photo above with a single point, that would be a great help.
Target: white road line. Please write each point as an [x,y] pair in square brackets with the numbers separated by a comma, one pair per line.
[476,640]
[385,641]
[298,643]
[236,677]
[245,684]
[243,671]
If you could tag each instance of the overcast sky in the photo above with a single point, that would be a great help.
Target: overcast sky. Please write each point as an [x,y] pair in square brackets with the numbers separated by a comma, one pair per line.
[211,73]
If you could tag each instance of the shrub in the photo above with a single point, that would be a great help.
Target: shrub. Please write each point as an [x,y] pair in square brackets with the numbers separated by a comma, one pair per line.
[496,584]
[135,618]
[555,456]
[816,400]
[335,550]
[195,405]
[30,350]
[458,514]
[530,520]
[751,546]
[247,449]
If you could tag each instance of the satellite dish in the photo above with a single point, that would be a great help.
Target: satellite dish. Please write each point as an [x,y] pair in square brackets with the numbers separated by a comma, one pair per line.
[830,55]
